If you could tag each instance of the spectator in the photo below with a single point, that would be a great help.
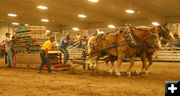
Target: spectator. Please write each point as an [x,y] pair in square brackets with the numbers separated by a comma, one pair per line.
[8,49]
[100,32]
[95,34]
[78,37]
[177,40]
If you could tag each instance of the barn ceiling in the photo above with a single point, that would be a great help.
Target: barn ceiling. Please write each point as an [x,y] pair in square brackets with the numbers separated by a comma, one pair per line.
[63,13]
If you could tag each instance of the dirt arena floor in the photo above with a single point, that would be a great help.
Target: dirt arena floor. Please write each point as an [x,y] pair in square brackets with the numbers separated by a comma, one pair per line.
[27,82]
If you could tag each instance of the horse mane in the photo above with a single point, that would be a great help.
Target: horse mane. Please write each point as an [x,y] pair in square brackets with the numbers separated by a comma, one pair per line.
[89,43]
[142,28]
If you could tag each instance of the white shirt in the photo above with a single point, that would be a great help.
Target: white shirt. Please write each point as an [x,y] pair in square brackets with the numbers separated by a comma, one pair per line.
[8,44]
[100,32]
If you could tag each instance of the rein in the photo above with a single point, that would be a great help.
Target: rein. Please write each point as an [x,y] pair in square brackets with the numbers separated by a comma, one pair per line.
[115,45]
[163,35]
[112,46]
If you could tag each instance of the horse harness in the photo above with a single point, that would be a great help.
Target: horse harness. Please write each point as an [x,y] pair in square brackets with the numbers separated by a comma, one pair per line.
[148,44]
[130,38]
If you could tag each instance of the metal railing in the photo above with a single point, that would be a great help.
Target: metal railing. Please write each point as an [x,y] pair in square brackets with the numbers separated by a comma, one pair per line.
[165,55]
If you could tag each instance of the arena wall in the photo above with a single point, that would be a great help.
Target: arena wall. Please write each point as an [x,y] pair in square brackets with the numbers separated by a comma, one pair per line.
[4,28]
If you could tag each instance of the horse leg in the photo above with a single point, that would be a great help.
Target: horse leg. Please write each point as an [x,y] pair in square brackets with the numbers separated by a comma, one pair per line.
[108,67]
[120,57]
[113,68]
[87,65]
[112,60]
[91,64]
[131,65]
[150,63]
[144,62]
[96,65]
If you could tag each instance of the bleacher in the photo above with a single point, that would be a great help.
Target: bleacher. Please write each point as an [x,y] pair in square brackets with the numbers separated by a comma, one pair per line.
[164,55]
[75,53]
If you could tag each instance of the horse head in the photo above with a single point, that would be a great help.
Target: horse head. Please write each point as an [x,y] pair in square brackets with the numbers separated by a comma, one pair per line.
[164,32]
[155,40]
[150,39]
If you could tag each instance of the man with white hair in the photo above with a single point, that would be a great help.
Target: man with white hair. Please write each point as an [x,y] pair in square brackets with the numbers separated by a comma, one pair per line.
[100,32]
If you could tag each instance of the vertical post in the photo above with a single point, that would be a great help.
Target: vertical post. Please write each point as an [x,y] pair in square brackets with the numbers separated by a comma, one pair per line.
[14,58]
[84,59]
[60,58]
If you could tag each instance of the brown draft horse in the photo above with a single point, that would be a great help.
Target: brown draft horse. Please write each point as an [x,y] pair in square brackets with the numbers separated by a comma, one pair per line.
[123,49]
[146,51]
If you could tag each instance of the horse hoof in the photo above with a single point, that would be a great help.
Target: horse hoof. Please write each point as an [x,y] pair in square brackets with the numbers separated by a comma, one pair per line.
[118,74]
[97,72]
[128,74]
[88,68]
[147,72]
[137,72]
[113,72]
[92,69]
[110,71]
[143,71]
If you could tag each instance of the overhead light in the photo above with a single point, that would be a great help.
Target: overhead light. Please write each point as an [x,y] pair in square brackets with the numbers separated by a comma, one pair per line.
[130,11]
[155,23]
[82,16]
[26,24]
[12,15]
[47,31]
[111,26]
[15,23]
[44,20]
[42,7]
[76,29]
[93,0]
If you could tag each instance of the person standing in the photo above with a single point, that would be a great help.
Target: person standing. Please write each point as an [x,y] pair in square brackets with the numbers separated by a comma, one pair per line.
[8,49]
[78,37]
[44,54]
[63,47]
[177,40]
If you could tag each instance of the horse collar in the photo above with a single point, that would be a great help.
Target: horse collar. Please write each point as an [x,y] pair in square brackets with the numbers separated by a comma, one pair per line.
[131,38]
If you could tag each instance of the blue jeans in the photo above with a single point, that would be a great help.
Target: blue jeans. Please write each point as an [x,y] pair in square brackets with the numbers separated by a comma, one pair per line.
[66,54]
[10,58]
[6,60]
[44,61]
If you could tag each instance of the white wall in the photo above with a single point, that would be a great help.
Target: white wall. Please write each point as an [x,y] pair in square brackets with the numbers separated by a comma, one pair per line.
[175,28]
[4,28]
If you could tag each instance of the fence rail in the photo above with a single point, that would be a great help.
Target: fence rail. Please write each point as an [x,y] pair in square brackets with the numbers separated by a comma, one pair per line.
[164,54]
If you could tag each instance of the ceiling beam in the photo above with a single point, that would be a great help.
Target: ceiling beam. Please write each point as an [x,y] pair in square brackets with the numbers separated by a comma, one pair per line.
[147,13]
[35,15]
[173,19]
[75,8]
